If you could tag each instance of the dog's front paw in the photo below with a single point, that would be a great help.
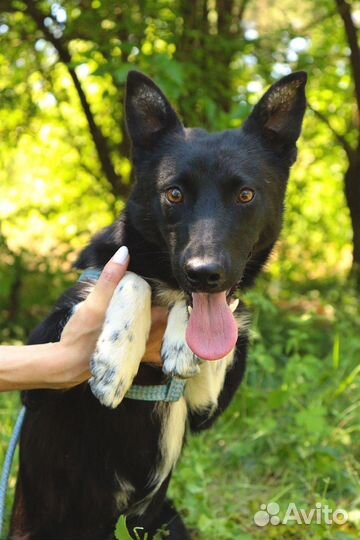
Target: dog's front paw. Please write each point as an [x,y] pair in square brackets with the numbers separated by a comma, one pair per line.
[111,376]
[178,359]
[122,342]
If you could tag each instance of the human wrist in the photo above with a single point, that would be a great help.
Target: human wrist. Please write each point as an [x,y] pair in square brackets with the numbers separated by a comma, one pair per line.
[65,370]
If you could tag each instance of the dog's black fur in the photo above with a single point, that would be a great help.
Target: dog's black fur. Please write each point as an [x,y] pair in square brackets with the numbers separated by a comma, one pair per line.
[74,450]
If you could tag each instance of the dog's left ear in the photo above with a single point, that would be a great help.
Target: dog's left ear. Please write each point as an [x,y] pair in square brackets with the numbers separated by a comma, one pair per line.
[278,116]
[149,115]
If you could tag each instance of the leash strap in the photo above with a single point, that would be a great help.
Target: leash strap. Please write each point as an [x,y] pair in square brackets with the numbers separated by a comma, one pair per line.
[172,391]
[4,482]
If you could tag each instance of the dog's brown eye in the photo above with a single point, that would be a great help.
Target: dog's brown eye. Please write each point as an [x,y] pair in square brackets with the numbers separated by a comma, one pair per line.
[246,195]
[174,195]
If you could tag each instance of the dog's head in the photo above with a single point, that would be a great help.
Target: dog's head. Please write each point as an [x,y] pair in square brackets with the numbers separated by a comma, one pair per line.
[215,200]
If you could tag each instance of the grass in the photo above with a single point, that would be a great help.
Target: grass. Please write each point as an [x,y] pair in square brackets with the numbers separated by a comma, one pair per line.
[292,433]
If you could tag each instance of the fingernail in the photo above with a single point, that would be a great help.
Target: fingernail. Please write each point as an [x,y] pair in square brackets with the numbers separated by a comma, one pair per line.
[121,256]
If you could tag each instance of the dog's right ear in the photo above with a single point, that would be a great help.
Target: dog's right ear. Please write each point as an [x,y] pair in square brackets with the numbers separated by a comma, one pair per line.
[149,115]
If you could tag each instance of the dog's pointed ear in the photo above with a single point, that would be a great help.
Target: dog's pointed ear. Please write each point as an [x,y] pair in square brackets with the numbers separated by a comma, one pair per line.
[278,115]
[149,114]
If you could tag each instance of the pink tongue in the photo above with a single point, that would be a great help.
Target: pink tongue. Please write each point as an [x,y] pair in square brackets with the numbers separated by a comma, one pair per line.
[212,331]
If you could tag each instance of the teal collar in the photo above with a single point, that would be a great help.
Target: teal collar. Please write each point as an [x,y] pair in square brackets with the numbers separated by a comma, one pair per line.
[172,391]
[91,273]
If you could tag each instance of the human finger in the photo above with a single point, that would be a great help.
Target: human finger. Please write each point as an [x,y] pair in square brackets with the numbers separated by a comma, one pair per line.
[112,273]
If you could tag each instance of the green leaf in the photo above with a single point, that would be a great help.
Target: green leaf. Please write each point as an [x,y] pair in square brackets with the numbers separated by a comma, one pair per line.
[121,531]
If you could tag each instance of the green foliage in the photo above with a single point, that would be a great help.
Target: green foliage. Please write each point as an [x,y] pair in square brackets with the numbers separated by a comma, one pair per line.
[121,530]
[213,65]
[292,433]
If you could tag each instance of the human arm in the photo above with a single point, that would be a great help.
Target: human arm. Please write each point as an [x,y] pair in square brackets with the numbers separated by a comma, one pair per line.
[65,363]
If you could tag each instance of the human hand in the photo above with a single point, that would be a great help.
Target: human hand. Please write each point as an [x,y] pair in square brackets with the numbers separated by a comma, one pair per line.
[80,335]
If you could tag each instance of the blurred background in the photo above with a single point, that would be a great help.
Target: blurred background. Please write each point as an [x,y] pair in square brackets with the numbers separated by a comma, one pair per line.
[292,434]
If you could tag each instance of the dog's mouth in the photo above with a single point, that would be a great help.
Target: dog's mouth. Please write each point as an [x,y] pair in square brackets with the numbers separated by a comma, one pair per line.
[230,300]
[212,330]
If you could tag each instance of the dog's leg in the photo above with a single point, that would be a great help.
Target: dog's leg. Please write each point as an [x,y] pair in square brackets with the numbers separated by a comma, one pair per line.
[178,359]
[122,342]
[169,520]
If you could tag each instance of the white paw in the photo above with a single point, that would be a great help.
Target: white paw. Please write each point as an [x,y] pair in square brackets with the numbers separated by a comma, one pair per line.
[122,342]
[178,359]
[112,375]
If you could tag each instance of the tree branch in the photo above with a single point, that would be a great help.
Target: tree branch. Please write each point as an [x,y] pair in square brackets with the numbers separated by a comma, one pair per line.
[340,138]
[243,7]
[316,21]
[352,39]
[101,145]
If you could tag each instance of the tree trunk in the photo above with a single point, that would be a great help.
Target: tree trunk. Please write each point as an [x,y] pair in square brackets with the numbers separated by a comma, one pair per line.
[204,43]
[352,193]
[352,175]
[15,290]
[352,39]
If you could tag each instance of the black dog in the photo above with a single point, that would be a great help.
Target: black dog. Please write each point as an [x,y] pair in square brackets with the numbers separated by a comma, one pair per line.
[203,217]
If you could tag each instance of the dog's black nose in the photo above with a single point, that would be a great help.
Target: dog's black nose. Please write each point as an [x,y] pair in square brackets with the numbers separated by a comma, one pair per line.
[204,274]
